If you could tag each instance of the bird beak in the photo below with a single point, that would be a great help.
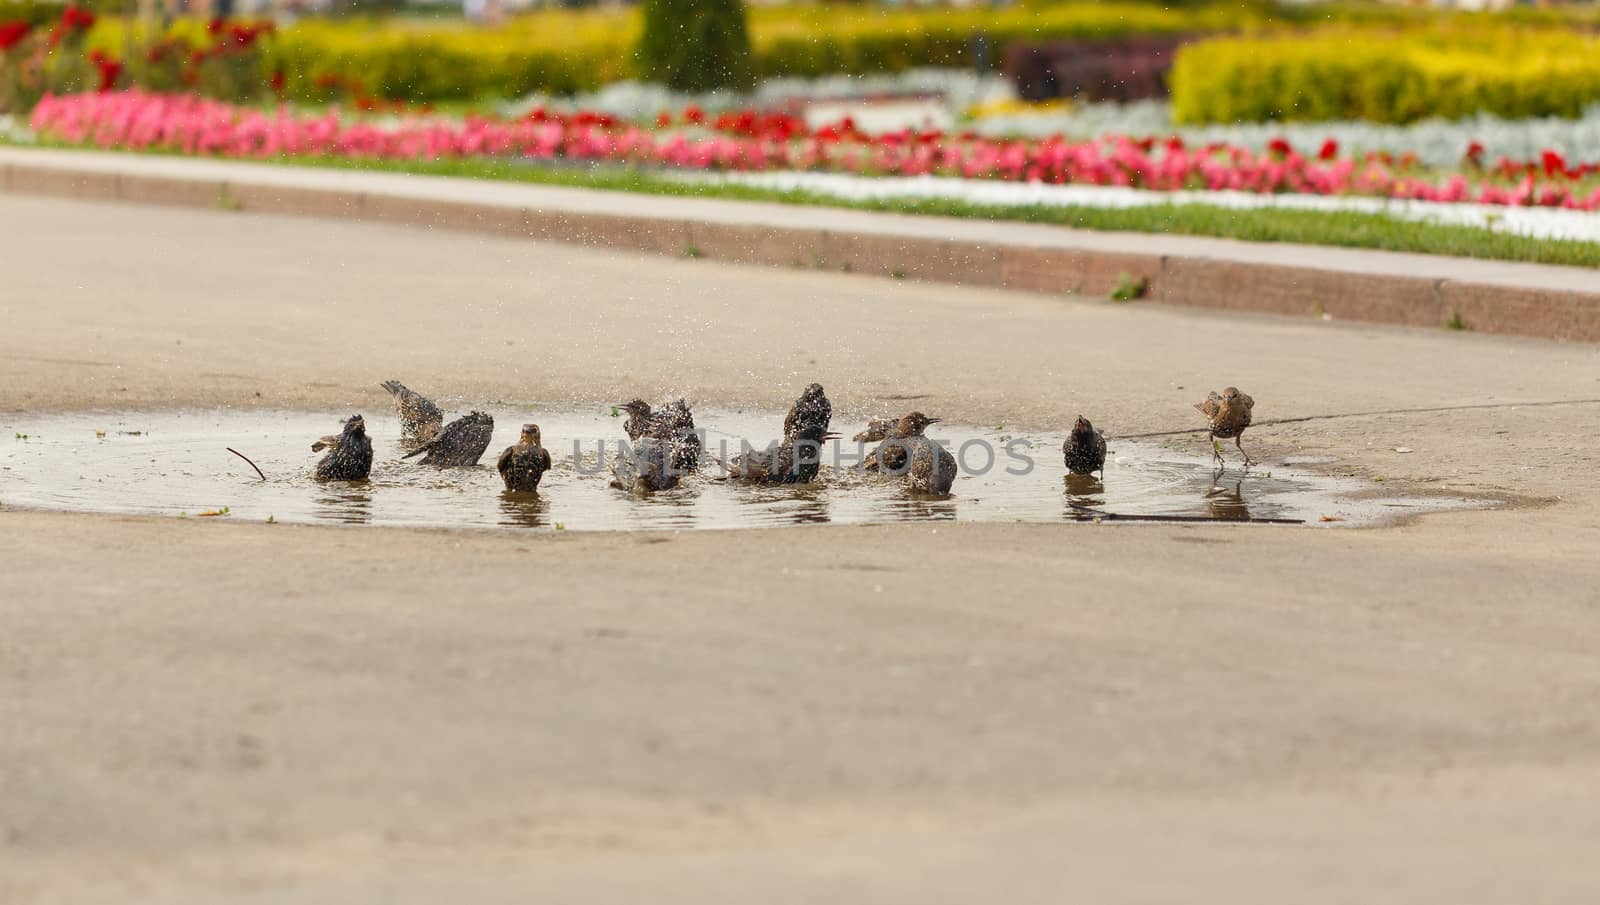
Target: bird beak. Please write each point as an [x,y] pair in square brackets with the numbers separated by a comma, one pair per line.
[831,436]
[934,420]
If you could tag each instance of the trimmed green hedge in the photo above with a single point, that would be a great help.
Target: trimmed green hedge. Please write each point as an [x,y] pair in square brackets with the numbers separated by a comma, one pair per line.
[1396,76]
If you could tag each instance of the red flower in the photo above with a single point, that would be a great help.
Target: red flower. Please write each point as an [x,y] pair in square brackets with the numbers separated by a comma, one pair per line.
[1474,153]
[1552,162]
[77,18]
[276,82]
[1280,147]
[694,114]
[214,27]
[109,70]
[663,120]
[12,33]
[1330,150]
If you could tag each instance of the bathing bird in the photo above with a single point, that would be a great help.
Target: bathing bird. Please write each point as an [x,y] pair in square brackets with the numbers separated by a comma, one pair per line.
[523,465]
[1228,415]
[933,468]
[350,455]
[812,407]
[420,419]
[794,461]
[461,442]
[673,425]
[877,429]
[645,468]
[1085,449]
[892,454]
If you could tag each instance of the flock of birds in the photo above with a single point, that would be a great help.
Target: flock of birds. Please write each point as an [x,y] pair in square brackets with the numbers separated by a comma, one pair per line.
[664,444]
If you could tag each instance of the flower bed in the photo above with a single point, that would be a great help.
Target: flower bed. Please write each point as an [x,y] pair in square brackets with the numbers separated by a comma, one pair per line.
[748,141]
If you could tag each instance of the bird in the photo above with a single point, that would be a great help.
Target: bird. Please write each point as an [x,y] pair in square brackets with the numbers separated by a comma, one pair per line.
[683,442]
[794,461]
[420,419]
[877,429]
[933,468]
[350,455]
[1228,415]
[639,418]
[644,468]
[812,407]
[461,442]
[1085,450]
[891,454]
[523,465]
[673,425]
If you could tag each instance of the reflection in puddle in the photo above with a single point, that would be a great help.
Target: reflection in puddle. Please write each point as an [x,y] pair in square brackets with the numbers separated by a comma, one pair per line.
[172,462]
[522,510]
[1226,503]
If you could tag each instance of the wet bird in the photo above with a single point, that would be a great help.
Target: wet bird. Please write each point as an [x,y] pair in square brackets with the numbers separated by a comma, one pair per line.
[1229,415]
[812,407]
[892,454]
[645,468]
[933,468]
[640,418]
[523,465]
[1085,449]
[420,419]
[794,461]
[461,442]
[350,455]
[877,429]
[673,425]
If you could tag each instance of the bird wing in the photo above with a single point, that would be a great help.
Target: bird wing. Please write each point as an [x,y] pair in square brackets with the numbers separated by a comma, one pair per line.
[443,439]
[327,442]
[542,456]
[1211,406]
[504,463]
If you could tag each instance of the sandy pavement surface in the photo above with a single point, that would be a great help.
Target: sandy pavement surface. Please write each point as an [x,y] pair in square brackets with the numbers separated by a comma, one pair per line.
[199,712]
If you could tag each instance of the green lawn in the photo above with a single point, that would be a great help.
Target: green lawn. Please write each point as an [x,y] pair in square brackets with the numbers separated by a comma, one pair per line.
[1347,229]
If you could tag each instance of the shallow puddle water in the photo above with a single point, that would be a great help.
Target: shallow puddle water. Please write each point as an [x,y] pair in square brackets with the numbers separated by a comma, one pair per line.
[173,463]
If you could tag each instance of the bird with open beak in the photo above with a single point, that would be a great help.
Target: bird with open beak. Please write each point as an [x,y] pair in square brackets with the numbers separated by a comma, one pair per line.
[1227,416]
[523,465]
[673,425]
[1085,448]
[349,457]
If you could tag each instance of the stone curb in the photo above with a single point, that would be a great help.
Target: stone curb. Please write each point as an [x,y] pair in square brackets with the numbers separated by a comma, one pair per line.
[1200,281]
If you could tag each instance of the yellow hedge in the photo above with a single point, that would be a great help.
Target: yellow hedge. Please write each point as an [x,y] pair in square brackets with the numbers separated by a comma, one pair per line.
[1393,76]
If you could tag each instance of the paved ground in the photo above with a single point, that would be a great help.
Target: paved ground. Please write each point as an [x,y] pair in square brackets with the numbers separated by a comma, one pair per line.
[195,713]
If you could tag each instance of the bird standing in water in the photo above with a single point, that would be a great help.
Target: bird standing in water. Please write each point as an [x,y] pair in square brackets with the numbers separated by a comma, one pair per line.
[350,456]
[420,419]
[893,453]
[1085,450]
[644,469]
[461,442]
[1228,415]
[795,461]
[933,468]
[812,407]
[673,426]
[523,465]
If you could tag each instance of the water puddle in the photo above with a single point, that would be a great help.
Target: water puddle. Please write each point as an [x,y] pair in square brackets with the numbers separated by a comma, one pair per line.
[172,463]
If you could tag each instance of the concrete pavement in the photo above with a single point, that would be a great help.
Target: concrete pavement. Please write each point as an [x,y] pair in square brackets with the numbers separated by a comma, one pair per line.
[202,712]
[1313,281]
